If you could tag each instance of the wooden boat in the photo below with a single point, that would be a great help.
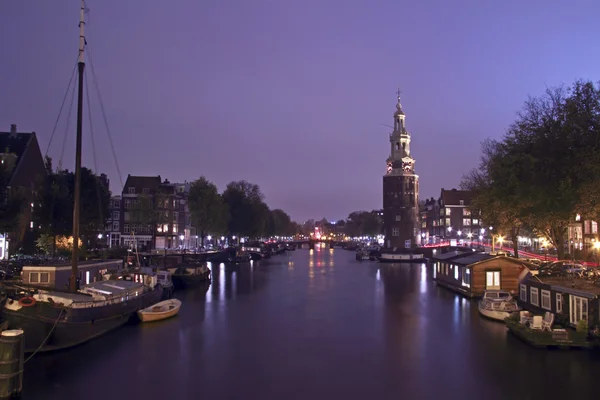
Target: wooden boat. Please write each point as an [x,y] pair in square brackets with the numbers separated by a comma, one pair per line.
[163,310]
[497,305]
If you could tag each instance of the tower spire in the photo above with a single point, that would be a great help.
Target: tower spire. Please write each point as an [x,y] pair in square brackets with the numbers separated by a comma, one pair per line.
[398,105]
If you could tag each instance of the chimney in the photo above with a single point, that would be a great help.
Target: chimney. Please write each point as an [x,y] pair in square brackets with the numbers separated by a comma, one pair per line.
[13,128]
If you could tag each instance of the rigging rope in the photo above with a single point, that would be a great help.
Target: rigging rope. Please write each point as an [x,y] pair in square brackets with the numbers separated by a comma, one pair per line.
[61,108]
[96,171]
[112,147]
[64,143]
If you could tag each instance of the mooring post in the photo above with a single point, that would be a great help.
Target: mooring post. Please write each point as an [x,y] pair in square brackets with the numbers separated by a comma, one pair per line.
[12,350]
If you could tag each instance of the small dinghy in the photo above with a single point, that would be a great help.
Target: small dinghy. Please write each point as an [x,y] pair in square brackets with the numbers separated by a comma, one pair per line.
[159,311]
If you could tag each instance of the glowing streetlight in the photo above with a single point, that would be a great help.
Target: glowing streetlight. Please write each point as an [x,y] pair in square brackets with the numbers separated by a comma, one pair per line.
[99,236]
[469,235]
[449,229]
[209,237]
[181,237]
[597,245]
[459,233]
[480,237]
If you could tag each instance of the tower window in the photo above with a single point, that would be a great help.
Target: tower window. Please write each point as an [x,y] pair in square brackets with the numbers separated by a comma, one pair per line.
[397,145]
[398,217]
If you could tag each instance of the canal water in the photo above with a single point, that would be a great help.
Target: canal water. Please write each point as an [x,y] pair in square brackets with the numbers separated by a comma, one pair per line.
[314,324]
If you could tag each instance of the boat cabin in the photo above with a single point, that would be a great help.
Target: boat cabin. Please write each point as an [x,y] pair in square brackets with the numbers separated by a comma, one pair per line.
[472,274]
[57,276]
[571,299]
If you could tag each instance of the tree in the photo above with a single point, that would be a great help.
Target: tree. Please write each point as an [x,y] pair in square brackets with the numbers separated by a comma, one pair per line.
[248,212]
[494,188]
[281,223]
[546,168]
[363,223]
[207,209]
[55,197]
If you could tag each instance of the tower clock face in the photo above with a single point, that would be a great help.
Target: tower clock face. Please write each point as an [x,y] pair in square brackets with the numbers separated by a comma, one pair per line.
[406,166]
[389,168]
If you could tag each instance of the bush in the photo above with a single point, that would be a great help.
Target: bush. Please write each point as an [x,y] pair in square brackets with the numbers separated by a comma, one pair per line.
[582,326]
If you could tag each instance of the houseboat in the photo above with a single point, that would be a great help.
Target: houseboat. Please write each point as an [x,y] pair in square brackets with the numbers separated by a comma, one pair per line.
[472,273]
[401,256]
[57,276]
[571,299]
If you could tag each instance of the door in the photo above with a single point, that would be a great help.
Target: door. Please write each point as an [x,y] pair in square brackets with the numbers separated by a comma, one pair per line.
[578,309]
[492,280]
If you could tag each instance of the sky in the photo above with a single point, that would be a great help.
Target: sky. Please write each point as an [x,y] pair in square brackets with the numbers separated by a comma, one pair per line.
[292,95]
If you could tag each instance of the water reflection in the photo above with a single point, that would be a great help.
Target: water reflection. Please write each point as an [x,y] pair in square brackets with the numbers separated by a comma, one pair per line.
[358,330]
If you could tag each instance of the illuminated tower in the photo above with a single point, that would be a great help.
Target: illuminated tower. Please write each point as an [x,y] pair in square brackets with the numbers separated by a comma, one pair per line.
[400,189]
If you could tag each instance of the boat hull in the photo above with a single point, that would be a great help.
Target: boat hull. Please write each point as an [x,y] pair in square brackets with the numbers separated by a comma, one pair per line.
[190,280]
[148,315]
[401,258]
[496,315]
[48,327]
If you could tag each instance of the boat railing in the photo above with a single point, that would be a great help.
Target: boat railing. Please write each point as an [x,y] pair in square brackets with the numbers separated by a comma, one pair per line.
[109,301]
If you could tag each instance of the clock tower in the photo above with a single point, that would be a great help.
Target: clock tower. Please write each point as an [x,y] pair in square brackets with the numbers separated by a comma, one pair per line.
[400,189]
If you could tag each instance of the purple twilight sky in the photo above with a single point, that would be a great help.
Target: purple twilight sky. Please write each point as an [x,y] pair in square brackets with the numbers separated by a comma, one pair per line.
[291,94]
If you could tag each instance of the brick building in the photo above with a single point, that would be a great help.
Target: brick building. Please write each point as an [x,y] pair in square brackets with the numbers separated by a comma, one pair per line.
[450,217]
[22,169]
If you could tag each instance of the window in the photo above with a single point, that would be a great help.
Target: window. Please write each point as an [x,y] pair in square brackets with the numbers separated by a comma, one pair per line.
[116,203]
[492,280]
[34,277]
[448,211]
[475,221]
[126,216]
[466,277]
[398,217]
[533,296]
[175,228]
[466,212]
[523,293]
[447,221]
[395,232]
[115,226]
[175,216]
[407,244]
[455,272]
[559,303]
[131,190]
[466,222]
[397,145]
[126,228]
[132,228]
[546,300]
[461,202]
[146,190]
[115,215]
[127,203]
[424,224]
[578,310]
[44,277]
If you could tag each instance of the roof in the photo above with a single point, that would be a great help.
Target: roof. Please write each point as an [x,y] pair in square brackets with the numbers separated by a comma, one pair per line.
[576,286]
[15,143]
[450,254]
[140,182]
[473,258]
[454,196]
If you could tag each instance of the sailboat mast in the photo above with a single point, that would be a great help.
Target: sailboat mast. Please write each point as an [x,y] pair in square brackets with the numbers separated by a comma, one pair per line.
[77,192]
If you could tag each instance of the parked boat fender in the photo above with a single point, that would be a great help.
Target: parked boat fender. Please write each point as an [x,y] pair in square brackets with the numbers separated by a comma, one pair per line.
[27,301]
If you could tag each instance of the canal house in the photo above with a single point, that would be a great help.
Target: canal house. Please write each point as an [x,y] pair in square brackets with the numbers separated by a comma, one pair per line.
[57,276]
[472,273]
[571,299]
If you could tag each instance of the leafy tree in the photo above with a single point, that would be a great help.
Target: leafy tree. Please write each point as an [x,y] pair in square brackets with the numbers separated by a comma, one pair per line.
[248,212]
[363,223]
[494,187]
[55,197]
[207,209]
[546,168]
[281,223]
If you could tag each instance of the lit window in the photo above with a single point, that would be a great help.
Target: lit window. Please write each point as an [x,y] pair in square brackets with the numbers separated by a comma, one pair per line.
[523,293]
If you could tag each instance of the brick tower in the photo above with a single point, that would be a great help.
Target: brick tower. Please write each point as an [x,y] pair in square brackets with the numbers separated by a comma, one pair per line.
[400,189]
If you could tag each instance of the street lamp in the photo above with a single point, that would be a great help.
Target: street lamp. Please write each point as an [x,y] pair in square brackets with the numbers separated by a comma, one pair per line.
[181,237]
